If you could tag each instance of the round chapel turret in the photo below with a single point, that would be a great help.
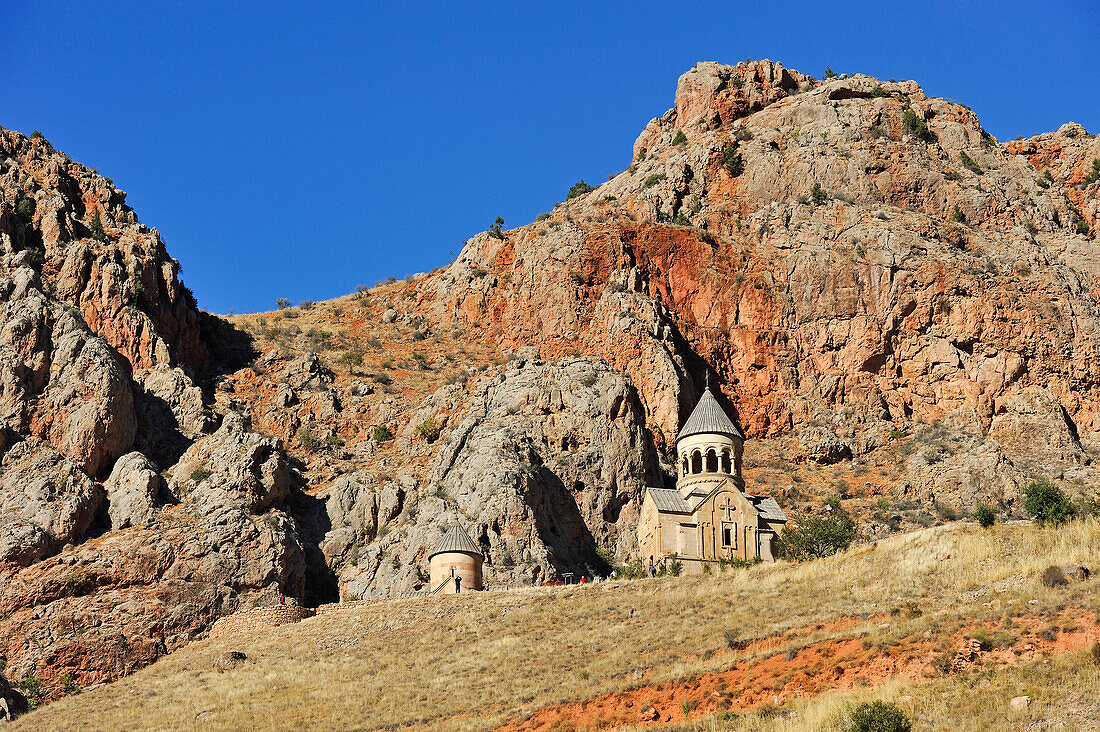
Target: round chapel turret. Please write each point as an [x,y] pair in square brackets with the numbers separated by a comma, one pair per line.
[708,446]
[455,563]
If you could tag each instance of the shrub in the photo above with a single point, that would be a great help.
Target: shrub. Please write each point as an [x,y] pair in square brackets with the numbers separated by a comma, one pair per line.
[878,716]
[731,160]
[36,135]
[308,439]
[1082,227]
[951,175]
[878,91]
[1094,174]
[382,433]
[495,228]
[674,567]
[428,430]
[969,162]
[421,359]
[25,209]
[818,194]
[32,687]
[1047,503]
[1053,576]
[351,358]
[681,220]
[958,216]
[579,188]
[679,138]
[282,303]
[69,684]
[818,536]
[383,379]
[96,227]
[916,126]
[653,180]
[829,73]
[986,515]
[198,475]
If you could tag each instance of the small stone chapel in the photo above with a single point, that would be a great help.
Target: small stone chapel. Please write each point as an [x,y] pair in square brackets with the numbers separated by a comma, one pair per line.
[708,516]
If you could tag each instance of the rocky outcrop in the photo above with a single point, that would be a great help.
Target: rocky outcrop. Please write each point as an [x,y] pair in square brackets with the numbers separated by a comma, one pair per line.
[12,703]
[543,463]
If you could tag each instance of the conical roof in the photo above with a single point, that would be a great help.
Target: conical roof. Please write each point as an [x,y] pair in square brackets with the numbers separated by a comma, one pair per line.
[456,540]
[708,418]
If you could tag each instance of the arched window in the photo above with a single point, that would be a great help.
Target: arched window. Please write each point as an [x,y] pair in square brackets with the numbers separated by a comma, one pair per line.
[727,465]
[696,462]
[684,465]
[712,461]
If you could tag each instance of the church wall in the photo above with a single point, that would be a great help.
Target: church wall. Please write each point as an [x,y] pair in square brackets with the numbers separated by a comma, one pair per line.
[728,509]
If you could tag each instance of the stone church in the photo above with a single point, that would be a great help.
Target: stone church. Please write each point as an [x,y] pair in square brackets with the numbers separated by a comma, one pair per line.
[708,516]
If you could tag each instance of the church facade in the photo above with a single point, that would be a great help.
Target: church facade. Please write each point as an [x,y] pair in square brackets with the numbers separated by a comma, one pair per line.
[709,516]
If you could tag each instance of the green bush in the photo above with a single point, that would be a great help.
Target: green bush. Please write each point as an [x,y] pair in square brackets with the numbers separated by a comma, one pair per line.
[818,194]
[96,227]
[36,135]
[969,162]
[653,180]
[916,126]
[958,216]
[33,688]
[878,91]
[382,433]
[818,536]
[1083,227]
[681,220]
[878,716]
[679,138]
[579,188]
[308,439]
[351,358]
[731,160]
[829,73]
[1047,503]
[25,209]
[198,475]
[428,430]
[282,303]
[986,514]
[495,228]
[1094,174]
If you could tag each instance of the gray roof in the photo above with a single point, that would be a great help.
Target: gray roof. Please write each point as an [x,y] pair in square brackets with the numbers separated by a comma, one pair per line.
[669,500]
[708,418]
[456,540]
[768,508]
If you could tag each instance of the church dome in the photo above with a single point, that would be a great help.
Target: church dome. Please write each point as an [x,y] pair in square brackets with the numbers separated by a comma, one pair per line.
[708,418]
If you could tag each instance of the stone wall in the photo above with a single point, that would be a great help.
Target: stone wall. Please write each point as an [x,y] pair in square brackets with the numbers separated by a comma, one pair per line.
[258,618]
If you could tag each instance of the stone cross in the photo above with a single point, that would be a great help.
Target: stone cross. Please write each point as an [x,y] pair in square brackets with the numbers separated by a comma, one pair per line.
[728,507]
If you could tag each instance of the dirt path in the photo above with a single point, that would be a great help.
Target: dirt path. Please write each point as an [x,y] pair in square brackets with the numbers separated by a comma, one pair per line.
[837,664]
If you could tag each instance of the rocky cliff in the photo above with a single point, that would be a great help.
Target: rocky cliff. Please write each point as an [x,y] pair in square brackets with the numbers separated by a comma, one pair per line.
[900,309]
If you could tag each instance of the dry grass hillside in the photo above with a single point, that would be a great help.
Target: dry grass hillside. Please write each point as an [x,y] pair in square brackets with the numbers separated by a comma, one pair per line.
[950,622]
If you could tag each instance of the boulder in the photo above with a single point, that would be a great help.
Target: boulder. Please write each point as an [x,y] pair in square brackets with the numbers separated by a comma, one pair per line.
[134,491]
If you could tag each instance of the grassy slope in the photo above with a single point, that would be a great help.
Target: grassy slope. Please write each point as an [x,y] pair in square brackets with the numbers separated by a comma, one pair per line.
[479,660]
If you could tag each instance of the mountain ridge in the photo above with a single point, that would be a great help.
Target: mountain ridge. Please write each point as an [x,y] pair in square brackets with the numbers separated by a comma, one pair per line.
[888,322]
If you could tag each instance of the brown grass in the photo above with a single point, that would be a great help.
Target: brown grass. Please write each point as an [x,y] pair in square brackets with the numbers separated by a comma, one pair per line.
[480,660]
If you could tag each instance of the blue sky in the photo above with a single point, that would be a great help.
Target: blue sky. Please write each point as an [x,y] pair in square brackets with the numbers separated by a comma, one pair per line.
[299,150]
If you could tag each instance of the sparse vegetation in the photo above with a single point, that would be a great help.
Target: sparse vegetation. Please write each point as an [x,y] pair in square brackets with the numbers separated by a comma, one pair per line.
[986,514]
[282,303]
[95,226]
[915,126]
[679,138]
[198,475]
[1082,227]
[731,160]
[25,209]
[580,188]
[969,162]
[381,433]
[878,91]
[428,430]
[957,215]
[495,228]
[653,180]
[818,194]
[1094,173]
